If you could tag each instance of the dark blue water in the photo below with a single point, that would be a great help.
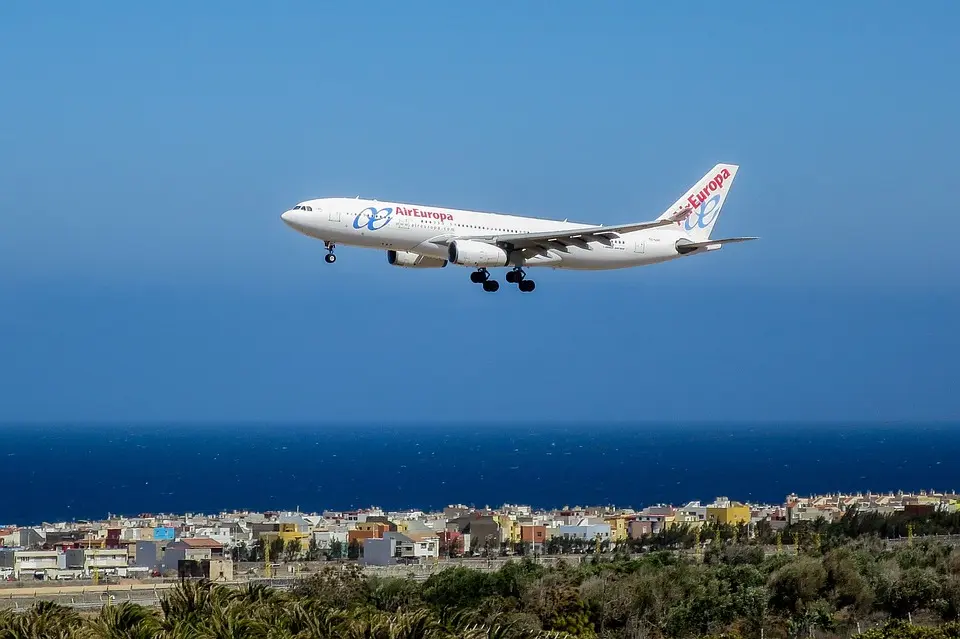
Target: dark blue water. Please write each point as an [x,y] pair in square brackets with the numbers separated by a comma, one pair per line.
[52,473]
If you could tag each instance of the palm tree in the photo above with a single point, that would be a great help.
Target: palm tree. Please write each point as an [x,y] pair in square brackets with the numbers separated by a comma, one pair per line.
[126,621]
[44,620]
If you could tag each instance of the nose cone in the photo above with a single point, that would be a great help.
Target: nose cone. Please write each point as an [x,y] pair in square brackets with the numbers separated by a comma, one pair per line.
[299,220]
[294,219]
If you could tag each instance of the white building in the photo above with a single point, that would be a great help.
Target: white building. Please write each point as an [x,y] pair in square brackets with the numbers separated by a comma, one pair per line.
[589,532]
[27,563]
[397,546]
[102,560]
[422,549]
[326,537]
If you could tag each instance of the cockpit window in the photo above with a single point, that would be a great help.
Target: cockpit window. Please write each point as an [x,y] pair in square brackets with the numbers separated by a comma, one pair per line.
[301,207]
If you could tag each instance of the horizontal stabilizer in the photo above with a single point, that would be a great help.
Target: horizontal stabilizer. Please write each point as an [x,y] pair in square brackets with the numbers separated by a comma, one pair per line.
[684,246]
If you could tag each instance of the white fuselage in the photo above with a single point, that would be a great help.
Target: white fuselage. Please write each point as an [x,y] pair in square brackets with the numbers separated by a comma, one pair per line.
[391,226]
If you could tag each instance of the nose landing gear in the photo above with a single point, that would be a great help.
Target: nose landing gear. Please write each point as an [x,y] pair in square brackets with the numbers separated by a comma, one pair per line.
[330,258]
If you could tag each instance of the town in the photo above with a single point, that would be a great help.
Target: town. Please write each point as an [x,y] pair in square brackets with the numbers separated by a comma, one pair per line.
[226,546]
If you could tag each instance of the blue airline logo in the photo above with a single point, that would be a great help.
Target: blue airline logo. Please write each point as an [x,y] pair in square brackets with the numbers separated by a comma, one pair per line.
[372,218]
[705,214]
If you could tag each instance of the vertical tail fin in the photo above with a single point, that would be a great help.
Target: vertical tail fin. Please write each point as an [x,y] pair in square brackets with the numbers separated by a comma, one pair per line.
[706,198]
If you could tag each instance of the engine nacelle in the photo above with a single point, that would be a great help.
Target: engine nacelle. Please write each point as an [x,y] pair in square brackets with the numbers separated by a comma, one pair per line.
[473,253]
[413,260]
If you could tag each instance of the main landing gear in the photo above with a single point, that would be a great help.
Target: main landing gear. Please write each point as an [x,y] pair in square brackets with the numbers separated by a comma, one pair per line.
[518,277]
[482,276]
[330,258]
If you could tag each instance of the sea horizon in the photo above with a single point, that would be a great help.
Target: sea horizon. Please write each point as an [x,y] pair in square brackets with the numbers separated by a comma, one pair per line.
[85,470]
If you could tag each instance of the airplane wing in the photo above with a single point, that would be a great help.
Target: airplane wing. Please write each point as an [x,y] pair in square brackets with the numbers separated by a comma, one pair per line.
[710,245]
[578,236]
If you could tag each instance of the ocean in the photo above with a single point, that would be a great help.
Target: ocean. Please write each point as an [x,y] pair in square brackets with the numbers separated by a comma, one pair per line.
[69,472]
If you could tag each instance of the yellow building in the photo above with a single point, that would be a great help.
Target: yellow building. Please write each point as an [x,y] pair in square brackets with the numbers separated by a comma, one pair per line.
[618,527]
[511,528]
[289,532]
[733,514]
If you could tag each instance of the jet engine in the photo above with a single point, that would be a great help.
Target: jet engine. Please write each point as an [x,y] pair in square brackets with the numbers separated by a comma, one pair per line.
[473,253]
[413,260]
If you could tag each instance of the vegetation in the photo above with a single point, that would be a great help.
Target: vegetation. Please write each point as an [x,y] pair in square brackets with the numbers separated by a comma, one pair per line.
[828,580]
[733,589]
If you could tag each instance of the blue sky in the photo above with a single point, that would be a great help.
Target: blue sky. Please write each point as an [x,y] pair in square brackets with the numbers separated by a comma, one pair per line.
[147,152]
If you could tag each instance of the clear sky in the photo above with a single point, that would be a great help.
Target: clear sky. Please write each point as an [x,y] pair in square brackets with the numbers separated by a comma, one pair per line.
[148,149]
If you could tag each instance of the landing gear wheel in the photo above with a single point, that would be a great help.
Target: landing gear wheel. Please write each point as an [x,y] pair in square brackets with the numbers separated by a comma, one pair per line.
[491,286]
[515,276]
[527,286]
[480,276]
[330,258]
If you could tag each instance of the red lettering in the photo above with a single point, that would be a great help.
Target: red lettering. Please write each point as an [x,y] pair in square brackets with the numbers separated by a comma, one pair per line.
[716,183]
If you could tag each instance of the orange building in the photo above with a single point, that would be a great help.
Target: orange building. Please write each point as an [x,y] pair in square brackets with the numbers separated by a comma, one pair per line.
[533,534]
[374,530]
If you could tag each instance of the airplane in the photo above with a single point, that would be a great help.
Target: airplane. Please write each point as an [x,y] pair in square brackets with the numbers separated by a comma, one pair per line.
[417,236]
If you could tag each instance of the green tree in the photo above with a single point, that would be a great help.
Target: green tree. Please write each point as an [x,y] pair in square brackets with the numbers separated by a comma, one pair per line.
[276,549]
[336,549]
[313,549]
[916,588]
[292,550]
[797,585]
[354,550]
[256,550]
